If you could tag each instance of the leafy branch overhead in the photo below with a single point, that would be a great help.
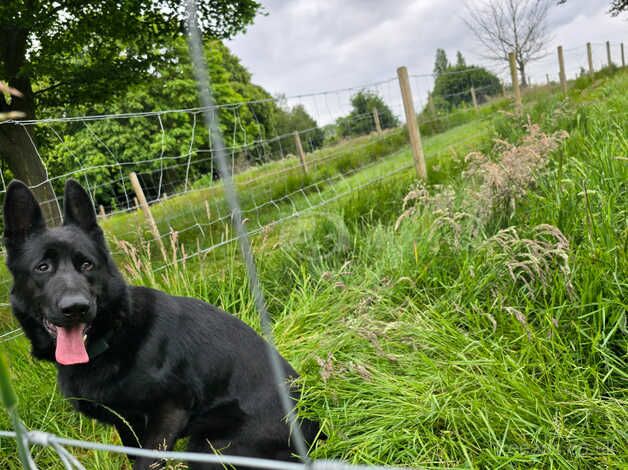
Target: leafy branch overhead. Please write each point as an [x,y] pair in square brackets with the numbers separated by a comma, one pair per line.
[67,50]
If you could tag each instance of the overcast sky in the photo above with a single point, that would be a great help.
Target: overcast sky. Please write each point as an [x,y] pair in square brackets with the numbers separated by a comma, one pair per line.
[307,46]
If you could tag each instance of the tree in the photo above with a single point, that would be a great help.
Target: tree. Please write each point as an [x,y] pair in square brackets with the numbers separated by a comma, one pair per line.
[72,52]
[246,126]
[460,62]
[441,63]
[454,88]
[297,119]
[504,26]
[360,119]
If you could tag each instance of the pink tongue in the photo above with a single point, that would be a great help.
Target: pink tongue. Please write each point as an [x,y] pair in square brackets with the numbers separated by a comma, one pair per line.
[70,346]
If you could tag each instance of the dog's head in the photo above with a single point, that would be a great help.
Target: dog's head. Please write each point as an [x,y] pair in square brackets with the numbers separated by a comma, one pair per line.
[63,276]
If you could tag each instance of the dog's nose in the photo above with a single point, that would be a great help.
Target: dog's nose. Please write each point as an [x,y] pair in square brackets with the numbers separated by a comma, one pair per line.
[74,306]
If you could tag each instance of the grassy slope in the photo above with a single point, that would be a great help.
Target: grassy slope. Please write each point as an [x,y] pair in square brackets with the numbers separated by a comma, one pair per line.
[404,337]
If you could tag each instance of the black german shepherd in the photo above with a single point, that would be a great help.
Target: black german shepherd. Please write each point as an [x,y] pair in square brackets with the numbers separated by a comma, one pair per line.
[155,366]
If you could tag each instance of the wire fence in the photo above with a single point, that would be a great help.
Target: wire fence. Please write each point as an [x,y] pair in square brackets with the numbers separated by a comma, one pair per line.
[173,171]
[180,152]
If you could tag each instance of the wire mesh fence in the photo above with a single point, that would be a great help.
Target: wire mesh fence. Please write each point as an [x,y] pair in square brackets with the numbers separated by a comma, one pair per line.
[185,167]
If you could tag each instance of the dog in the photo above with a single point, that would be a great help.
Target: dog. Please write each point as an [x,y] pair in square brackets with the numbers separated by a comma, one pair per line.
[155,366]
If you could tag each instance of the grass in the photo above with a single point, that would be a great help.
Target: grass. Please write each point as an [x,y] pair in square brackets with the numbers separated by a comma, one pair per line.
[486,328]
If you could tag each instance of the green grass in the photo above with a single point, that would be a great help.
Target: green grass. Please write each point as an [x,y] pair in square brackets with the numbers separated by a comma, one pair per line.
[416,345]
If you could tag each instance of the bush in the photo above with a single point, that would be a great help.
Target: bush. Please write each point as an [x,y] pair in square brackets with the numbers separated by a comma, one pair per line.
[360,120]
[453,87]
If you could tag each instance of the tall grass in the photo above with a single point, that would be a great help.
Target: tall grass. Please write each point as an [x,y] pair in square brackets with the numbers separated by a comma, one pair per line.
[454,336]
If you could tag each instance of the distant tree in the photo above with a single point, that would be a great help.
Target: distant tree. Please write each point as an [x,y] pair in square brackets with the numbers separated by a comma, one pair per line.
[504,26]
[297,118]
[460,62]
[441,63]
[453,89]
[360,120]
[66,52]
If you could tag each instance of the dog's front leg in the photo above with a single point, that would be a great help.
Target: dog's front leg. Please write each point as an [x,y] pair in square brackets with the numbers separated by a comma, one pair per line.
[163,428]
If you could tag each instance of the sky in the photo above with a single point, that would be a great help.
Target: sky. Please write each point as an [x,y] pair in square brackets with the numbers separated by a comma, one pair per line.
[308,46]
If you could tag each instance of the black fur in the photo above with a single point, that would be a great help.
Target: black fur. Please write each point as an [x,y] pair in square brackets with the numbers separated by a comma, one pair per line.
[171,366]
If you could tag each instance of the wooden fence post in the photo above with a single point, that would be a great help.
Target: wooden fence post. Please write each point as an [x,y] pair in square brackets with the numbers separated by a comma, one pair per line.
[590,58]
[515,82]
[474,99]
[411,123]
[561,65]
[297,141]
[623,58]
[135,182]
[608,53]
[378,126]
[101,211]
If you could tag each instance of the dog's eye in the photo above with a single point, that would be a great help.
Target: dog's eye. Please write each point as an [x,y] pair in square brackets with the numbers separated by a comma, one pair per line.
[42,267]
[87,266]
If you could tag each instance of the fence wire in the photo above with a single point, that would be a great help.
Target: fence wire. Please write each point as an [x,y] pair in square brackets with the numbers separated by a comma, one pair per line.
[70,462]
[218,152]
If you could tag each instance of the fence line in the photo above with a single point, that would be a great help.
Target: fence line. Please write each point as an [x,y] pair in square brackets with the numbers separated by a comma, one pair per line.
[314,162]
[184,158]
[301,190]
[17,332]
[178,157]
[236,217]
[162,157]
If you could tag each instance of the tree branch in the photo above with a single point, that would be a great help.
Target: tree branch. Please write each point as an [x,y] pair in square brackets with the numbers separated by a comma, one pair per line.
[49,88]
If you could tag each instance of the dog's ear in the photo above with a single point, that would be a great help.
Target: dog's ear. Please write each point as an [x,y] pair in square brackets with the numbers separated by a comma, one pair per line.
[78,208]
[22,214]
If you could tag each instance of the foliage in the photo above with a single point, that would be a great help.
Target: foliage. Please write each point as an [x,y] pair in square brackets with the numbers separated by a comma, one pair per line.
[70,53]
[297,119]
[360,119]
[246,128]
[454,87]
[618,6]
[441,63]
[460,61]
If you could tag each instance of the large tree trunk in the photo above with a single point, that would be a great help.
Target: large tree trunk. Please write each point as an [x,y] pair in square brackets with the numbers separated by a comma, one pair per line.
[17,144]
[21,156]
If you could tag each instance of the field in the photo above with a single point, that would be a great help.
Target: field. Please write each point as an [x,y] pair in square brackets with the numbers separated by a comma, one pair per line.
[478,320]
